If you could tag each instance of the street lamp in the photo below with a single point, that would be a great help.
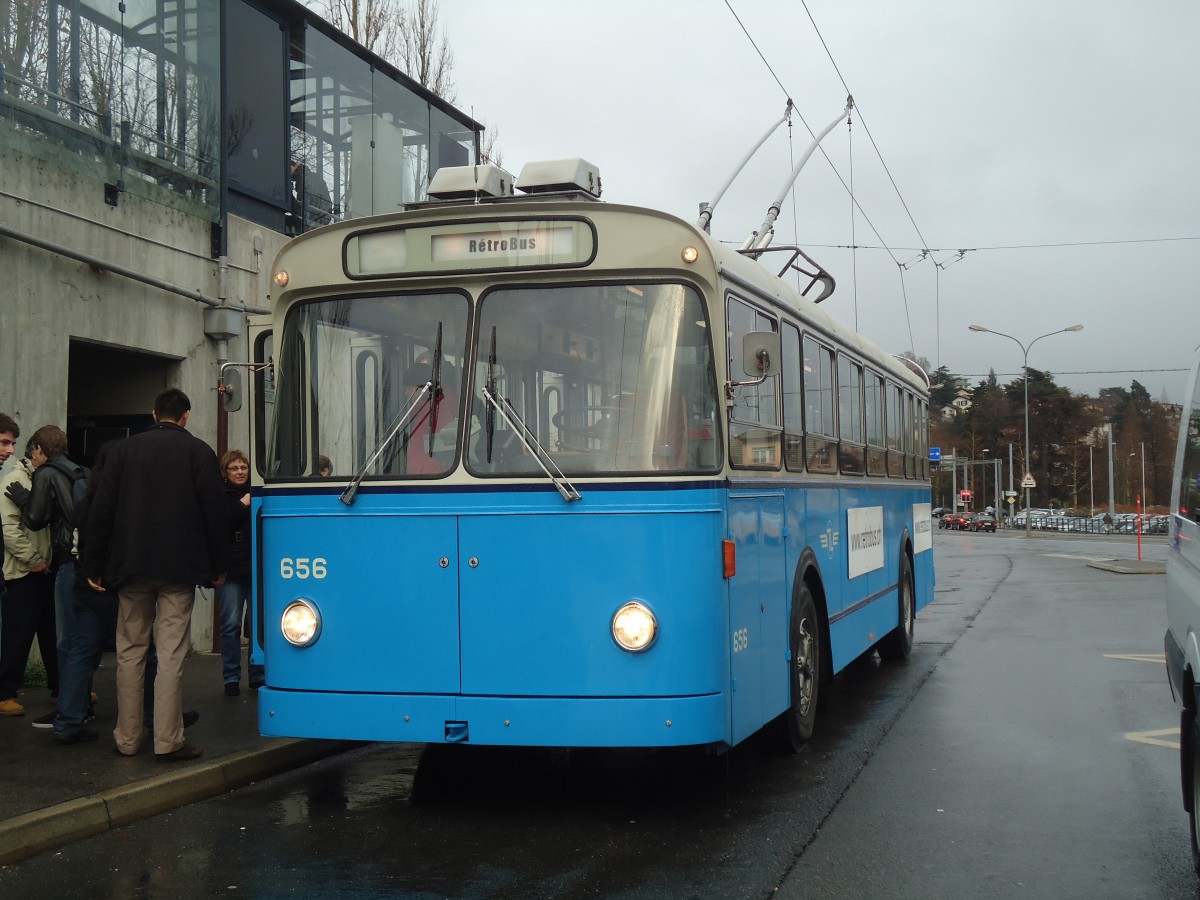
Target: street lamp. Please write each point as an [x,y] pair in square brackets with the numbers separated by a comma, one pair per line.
[1025,366]
[1144,504]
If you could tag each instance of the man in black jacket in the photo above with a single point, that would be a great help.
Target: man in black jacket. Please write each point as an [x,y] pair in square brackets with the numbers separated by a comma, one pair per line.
[51,501]
[158,528]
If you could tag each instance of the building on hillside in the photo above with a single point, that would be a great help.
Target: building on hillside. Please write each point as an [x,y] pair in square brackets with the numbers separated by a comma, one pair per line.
[153,159]
[959,405]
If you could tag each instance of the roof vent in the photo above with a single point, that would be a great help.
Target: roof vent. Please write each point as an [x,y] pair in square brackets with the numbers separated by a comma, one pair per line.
[560,175]
[469,182]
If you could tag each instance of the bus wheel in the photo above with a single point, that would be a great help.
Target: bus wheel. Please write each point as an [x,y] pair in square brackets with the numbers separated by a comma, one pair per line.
[1190,753]
[804,681]
[897,644]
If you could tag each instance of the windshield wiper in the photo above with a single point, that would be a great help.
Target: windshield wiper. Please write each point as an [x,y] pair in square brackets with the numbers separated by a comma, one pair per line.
[423,391]
[435,388]
[536,450]
[432,389]
[489,413]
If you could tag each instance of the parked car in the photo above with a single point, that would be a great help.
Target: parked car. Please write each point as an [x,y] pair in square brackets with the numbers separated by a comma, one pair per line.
[983,522]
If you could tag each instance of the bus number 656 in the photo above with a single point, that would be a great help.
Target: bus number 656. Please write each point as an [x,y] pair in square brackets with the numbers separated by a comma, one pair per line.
[302,567]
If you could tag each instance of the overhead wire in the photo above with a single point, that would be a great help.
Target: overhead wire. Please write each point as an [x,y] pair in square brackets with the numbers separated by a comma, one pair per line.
[849,188]
[866,128]
[1078,372]
[964,250]
[808,127]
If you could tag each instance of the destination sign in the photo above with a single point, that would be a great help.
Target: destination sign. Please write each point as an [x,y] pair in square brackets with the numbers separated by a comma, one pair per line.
[473,245]
[520,245]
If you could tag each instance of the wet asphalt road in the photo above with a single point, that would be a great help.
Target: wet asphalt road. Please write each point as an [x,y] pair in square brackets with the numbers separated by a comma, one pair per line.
[1017,754]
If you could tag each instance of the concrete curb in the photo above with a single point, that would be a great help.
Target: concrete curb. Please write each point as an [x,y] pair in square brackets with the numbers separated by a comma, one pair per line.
[1130,566]
[44,829]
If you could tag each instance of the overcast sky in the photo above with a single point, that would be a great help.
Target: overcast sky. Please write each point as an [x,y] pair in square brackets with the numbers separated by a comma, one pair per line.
[1003,124]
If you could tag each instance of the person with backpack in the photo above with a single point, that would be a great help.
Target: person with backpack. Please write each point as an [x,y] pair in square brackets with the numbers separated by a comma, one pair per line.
[28,602]
[95,625]
[58,485]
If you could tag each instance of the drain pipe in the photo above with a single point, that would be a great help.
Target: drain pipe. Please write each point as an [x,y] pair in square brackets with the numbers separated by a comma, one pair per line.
[221,324]
[97,262]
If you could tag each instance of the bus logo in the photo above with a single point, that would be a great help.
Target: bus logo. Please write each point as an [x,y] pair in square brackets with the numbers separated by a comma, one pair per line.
[829,539]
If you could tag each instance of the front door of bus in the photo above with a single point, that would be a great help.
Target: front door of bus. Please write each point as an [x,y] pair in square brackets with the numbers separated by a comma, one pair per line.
[757,607]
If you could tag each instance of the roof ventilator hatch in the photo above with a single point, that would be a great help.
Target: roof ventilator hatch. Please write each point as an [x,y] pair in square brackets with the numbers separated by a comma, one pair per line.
[469,182]
[560,175]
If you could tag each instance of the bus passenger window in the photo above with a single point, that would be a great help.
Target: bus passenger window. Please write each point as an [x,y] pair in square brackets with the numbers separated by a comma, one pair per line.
[873,406]
[820,440]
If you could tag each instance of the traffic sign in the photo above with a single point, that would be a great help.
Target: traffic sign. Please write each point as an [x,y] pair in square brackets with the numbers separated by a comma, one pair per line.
[935,454]
[1010,494]
[1012,499]
[1027,481]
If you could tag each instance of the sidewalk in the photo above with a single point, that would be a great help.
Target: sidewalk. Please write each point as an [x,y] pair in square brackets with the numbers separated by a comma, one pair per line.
[54,794]
[1130,566]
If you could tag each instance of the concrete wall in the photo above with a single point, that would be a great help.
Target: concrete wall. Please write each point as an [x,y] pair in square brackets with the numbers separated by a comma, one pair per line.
[49,301]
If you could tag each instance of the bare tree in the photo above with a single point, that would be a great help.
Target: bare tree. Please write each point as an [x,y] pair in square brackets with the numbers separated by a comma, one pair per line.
[489,151]
[408,38]
[24,36]
[376,24]
[425,55]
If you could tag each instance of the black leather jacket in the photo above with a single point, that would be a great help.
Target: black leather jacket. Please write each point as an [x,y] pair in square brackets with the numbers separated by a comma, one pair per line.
[52,502]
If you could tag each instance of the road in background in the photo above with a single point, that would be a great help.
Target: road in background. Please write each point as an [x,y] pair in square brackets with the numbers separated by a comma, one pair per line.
[1019,752]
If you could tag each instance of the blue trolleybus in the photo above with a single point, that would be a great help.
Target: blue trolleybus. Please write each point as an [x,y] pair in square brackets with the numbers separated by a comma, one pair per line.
[538,470]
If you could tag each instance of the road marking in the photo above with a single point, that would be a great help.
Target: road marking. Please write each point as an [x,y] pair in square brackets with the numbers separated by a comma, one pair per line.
[1091,559]
[1158,658]
[1155,738]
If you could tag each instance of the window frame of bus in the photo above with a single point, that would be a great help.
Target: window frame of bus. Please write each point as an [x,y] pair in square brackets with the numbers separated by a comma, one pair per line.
[852,457]
[1188,469]
[817,442]
[876,452]
[734,370]
[583,228]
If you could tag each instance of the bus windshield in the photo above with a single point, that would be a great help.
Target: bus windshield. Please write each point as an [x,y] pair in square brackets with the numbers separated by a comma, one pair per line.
[605,378]
[351,373]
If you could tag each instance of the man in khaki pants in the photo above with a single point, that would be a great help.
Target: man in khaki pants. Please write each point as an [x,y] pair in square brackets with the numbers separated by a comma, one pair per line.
[158,528]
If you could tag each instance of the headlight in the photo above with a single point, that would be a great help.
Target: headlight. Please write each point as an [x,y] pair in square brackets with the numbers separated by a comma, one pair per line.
[301,623]
[634,627]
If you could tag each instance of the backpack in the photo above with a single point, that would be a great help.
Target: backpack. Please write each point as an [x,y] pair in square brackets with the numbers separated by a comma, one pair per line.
[79,484]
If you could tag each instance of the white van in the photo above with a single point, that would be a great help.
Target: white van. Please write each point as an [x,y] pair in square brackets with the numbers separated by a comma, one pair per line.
[1182,642]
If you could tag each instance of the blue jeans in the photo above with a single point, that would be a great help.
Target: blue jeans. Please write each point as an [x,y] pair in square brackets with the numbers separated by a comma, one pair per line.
[94,622]
[233,597]
[64,605]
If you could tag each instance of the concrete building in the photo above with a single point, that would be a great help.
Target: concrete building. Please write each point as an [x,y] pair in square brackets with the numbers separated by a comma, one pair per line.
[154,156]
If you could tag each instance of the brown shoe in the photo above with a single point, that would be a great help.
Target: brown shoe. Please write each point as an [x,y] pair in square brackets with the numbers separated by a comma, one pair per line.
[11,707]
[186,752]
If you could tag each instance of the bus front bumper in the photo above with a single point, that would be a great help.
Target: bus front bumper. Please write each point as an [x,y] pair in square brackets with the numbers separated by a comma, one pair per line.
[496,721]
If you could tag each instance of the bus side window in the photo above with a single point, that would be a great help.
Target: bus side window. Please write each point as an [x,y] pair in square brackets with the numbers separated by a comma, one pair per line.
[874,408]
[1189,488]
[820,428]
[754,431]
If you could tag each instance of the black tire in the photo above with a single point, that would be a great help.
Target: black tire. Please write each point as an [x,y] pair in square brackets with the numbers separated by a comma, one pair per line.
[897,644]
[1189,759]
[804,672]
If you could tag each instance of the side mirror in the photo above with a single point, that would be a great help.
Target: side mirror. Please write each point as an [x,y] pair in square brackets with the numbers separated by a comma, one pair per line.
[760,353]
[231,389]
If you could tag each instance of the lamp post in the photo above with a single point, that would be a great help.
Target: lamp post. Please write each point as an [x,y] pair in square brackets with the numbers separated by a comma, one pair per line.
[1025,367]
[983,475]
[1143,476]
